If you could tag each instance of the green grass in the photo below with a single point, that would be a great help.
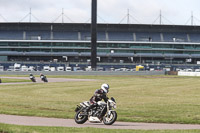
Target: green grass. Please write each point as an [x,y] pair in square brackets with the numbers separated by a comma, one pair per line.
[7,80]
[160,99]
[4,128]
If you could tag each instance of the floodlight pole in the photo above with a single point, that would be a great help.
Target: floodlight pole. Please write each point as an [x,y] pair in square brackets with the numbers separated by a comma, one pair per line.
[94,35]
[30,15]
[160,17]
[128,17]
[192,18]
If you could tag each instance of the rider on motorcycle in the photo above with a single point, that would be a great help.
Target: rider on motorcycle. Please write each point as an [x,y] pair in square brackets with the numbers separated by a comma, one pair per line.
[41,75]
[99,94]
[31,76]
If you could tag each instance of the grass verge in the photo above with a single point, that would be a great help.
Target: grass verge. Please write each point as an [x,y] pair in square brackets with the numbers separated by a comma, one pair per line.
[5,128]
[159,99]
[7,80]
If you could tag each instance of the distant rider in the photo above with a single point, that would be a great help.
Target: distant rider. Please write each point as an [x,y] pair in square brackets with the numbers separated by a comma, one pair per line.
[32,77]
[42,76]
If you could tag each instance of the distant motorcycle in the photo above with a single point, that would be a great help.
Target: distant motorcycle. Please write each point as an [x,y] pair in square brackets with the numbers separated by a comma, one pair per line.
[43,78]
[103,112]
[32,78]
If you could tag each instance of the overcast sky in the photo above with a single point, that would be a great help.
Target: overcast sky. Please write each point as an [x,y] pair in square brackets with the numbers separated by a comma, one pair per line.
[109,11]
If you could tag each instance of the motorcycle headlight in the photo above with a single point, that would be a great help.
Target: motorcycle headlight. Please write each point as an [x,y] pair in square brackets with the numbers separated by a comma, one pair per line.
[112,104]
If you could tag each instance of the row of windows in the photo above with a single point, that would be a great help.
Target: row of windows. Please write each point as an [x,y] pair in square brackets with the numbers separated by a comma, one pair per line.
[100,51]
[101,45]
[44,44]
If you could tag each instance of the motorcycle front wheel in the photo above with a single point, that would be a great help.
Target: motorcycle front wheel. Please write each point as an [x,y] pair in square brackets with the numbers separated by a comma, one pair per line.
[109,120]
[80,119]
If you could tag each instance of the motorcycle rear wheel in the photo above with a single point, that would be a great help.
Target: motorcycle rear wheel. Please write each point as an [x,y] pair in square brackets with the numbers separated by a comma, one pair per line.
[80,119]
[110,120]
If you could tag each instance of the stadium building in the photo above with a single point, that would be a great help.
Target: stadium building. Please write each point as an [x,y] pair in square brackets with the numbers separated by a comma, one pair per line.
[118,44]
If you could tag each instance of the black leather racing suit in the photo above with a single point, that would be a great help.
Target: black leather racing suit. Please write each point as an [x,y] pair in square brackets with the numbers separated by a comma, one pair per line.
[99,94]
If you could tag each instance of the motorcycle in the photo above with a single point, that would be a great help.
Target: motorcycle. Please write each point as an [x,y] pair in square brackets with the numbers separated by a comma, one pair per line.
[32,78]
[102,112]
[43,78]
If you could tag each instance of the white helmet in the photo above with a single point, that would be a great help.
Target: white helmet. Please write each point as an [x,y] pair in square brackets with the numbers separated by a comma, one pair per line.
[105,88]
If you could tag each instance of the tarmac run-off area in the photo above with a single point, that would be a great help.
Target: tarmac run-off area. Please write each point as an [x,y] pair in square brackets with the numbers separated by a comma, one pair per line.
[55,122]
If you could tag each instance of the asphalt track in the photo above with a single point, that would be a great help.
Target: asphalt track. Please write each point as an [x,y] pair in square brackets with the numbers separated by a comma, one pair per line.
[55,122]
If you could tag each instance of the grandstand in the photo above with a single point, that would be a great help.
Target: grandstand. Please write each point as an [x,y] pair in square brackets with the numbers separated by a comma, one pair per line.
[118,44]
